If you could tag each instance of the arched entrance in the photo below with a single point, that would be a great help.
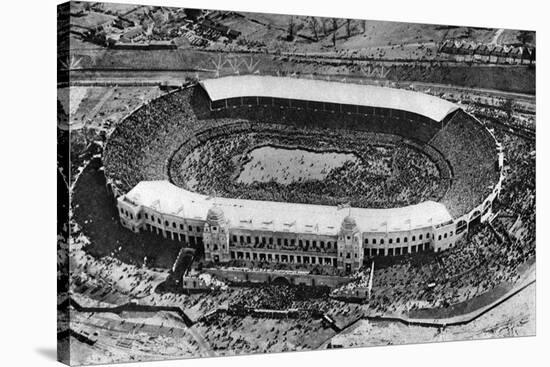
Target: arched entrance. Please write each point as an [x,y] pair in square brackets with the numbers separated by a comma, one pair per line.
[475,219]
[281,281]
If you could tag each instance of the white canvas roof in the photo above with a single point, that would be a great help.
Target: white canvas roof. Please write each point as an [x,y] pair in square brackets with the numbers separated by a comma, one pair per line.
[167,198]
[332,92]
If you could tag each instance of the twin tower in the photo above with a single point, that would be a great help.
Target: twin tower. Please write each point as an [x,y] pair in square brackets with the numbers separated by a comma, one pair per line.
[221,245]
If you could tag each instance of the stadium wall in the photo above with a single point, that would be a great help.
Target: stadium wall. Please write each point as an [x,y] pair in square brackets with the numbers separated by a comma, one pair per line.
[437,237]
[295,278]
[240,242]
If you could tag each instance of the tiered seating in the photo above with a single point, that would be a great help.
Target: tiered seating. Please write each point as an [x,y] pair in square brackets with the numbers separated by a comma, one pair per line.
[472,152]
[417,129]
[153,143]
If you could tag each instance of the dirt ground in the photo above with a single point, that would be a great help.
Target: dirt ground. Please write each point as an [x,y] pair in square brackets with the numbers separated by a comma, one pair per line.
[515,317]
[123,338]
[101,107]
[235,335]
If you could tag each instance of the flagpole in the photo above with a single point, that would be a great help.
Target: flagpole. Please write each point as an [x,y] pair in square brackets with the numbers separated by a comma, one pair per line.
[370,278]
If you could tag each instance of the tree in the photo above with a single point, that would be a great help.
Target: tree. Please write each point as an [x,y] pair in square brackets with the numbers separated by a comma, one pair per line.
[313,24]
[348,27]
[525,37]
[192,14]
[334,29]
[291,26]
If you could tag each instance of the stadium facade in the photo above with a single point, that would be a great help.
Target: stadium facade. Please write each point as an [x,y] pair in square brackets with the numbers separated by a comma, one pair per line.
[341,237]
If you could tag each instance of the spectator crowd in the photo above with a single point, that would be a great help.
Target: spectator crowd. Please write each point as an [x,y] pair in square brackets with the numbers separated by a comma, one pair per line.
[166,140]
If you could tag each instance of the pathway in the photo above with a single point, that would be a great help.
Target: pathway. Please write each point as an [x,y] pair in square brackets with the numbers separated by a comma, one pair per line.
[498,33]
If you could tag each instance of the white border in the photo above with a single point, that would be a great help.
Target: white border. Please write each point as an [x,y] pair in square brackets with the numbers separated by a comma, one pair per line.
[28,151]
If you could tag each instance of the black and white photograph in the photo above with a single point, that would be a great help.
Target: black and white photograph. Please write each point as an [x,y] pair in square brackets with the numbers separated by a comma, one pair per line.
[236,183]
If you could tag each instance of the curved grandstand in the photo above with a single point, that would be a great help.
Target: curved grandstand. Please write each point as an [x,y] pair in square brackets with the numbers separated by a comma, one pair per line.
[442,170]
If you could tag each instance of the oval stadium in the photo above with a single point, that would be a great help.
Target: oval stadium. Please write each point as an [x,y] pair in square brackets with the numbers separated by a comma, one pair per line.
[300,171]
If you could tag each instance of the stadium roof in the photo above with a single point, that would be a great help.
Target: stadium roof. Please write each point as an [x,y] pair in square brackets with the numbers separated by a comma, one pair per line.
[331,92]
[167,198]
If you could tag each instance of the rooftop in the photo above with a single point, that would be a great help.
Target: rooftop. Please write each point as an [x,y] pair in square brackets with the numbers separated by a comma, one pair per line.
[331,92]
[167,198]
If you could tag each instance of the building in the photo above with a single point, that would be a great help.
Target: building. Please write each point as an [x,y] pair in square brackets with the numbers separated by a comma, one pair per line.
[289,233]
[285,232]
[467,51]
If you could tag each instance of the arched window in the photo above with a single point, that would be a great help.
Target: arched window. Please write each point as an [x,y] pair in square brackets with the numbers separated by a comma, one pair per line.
[461,226]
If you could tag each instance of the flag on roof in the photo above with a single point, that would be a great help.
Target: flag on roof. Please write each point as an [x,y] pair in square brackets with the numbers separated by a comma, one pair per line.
[344,205]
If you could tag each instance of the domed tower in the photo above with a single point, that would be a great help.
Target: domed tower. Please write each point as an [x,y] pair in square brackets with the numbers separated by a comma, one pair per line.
[216,236]
[350,249]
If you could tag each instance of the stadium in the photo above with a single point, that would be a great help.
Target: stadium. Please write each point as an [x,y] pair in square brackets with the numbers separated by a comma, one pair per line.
[408,172]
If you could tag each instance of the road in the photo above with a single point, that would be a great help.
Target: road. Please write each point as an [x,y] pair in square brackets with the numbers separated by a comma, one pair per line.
[119,78]
[203,344]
